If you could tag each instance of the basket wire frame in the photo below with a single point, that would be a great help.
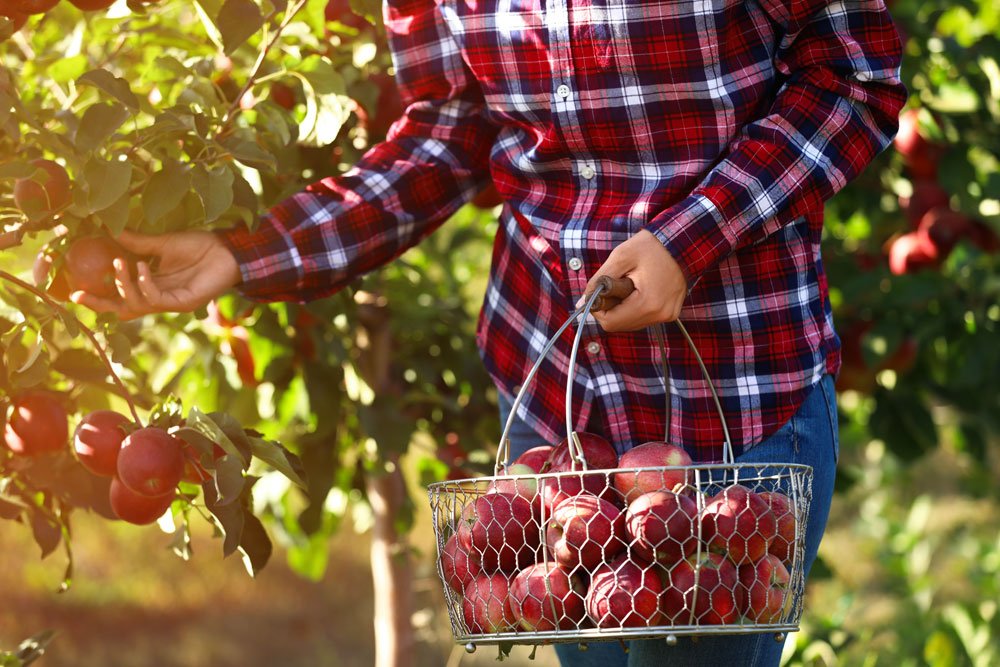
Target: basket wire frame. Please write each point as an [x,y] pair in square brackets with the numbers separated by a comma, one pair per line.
[535,587]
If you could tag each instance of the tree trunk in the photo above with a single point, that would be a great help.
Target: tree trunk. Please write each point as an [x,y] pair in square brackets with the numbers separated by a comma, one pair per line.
[391,573]
[390,556]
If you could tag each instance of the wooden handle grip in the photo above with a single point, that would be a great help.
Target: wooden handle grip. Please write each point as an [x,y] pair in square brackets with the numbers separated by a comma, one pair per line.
[614,290]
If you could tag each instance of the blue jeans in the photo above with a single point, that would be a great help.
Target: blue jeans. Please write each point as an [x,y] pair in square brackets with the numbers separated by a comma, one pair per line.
[811,438]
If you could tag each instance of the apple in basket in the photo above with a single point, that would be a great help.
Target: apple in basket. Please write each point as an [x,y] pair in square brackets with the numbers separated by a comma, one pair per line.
[546,596]
[598,454]
[456,564]
[738,522]
[661,525]
[783,544]
[486,605]
[765,585]
[585,530]
[500,531]
[656,454]
[624,593]
[702,590]
[523,471]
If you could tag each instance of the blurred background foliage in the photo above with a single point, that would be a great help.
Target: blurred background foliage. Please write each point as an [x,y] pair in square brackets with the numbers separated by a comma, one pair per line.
[256,100]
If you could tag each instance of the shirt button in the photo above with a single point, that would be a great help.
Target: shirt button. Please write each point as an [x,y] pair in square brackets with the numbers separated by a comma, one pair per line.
[587,172]
[593,347]
[575,263]
[562,91]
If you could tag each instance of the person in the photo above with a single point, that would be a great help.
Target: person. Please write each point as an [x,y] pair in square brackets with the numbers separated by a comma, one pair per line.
[689,146]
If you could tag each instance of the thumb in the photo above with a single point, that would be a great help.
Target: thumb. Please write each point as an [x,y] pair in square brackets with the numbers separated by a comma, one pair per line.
[618,264]
[141,244]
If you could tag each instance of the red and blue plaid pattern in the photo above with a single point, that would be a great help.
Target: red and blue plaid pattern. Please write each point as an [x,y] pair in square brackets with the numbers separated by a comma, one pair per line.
[721,127]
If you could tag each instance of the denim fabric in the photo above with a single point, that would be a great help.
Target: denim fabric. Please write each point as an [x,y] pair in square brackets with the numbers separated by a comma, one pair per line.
[810,438]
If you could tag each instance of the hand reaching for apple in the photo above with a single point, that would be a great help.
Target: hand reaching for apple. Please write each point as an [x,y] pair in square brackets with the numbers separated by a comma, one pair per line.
[660,285]
[191,269]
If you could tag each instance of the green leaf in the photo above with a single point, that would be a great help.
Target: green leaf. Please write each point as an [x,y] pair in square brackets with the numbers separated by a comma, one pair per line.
[230,517]
[229,478]
[249,153]
[237,21]
[99,122]
[278,458]
[46,531]
[165,191]
[80,364]
[115,217]
[114,86]
[106,182]
[255,544]
[121,347]
[67,69]
[215,187]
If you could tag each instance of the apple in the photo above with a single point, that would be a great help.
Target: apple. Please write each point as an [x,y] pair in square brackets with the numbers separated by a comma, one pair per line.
[536,458]
[546,596]
[89,266]
[783,544]
[585,530]
[44,193]
[624,593]
[151,461]
[738,522]
[984,237]
[33,6]
[135,507]
[655,454]
[927,194]
[486,605]
[98,439]
[91,5]
[702,590]
[17,19]
[500,531]
[941,228]
[519,480]
[920,155]
[911,252]
[598,454]
[458,567]
[662,526]
[765,585]
[38,424]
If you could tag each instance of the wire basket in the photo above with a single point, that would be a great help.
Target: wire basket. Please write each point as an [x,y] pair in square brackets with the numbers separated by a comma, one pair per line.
[572,544]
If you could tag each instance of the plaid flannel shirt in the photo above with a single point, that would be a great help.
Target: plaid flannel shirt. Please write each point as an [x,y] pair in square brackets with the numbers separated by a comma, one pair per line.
[721,127]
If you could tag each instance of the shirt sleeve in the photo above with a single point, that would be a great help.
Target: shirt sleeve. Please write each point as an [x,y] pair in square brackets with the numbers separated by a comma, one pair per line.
[836,109]
[435,157]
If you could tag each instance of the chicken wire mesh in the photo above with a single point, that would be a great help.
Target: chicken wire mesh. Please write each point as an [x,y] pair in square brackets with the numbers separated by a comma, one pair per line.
[623,553]
[573,544]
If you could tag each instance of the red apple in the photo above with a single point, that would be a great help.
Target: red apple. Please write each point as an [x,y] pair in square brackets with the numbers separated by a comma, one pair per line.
[49,193]
[500,531]
[662,526]
[984,237]
[151,461]
[765,586]
[739,523]
[536,458]
[585,530]
[545,597]
[909,253]
[654,454]
[704,590]
[458,567]
[783,544]
[920,154]
[927,194]
[598,454]
[941,228]
[486,605]
[520,480]
[37,425]
[135,507]
[98,439]
[624,593]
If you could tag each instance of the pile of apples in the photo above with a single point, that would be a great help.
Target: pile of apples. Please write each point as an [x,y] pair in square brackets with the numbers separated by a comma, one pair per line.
[618,545]
[144,465]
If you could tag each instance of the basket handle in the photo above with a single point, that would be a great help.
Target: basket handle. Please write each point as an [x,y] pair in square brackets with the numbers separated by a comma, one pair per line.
[607,293]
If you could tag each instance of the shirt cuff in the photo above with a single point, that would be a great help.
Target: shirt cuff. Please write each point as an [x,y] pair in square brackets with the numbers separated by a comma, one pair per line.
[269,263]
[694,232]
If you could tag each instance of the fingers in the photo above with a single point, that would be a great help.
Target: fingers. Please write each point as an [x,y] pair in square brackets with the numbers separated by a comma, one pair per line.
[140,244]
[99,305]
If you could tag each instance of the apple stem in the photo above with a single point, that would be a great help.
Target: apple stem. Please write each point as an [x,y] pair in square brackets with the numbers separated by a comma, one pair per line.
[64,312]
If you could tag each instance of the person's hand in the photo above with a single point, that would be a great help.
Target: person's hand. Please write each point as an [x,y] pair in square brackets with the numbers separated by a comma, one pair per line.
[660,286]
[191,269]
